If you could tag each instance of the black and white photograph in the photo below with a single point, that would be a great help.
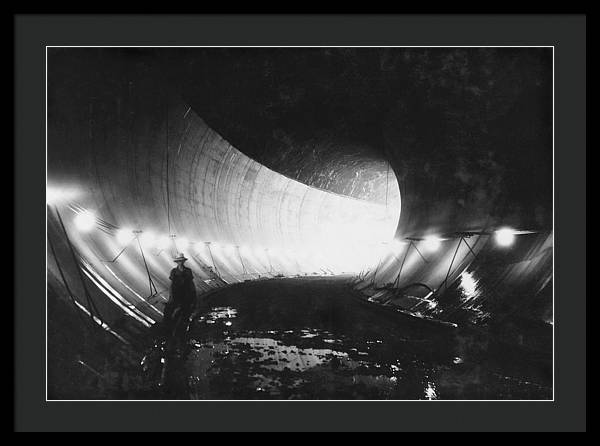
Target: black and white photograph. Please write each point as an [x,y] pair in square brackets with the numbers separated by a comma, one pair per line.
[300,223]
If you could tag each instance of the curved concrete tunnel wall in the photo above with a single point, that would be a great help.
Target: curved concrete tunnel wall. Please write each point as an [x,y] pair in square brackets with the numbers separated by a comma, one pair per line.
[213,192]
[461,128]
[259,223]
[474,275]
[106,141]
[479,278]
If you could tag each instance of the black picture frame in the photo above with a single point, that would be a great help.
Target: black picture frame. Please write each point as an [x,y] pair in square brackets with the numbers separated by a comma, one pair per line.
[567,33]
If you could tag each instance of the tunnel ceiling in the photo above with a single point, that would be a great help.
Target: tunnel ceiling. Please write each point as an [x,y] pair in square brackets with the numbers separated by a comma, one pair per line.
[462,127]
[312,115]
[154,179]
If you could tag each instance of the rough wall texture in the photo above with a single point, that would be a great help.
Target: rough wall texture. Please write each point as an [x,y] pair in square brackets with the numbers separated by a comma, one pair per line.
[173,178]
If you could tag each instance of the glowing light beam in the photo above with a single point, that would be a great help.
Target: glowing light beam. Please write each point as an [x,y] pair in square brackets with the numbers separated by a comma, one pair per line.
[85,221]
[504,237]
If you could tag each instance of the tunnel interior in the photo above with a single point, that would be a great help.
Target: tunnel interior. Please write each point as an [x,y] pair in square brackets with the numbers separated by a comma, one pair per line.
[386,171]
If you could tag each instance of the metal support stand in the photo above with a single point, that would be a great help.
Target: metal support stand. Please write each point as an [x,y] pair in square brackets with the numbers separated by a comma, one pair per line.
[269,259]
[413,245]
[375,273]
[244,270]
[119,254]
[448,273]
[153,289]
[92,309]
[213,260]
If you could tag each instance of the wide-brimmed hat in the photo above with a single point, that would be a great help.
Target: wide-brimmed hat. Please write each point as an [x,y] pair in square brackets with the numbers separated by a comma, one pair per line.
[180,258]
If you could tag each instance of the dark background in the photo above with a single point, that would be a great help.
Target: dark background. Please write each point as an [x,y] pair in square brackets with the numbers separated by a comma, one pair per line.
[566,413]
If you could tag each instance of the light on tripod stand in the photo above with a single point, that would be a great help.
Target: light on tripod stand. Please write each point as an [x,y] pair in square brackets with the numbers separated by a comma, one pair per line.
[432,243]
[124,236]
[504,237]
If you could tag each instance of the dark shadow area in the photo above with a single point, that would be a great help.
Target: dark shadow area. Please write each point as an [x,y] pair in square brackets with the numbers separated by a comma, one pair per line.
[316,338]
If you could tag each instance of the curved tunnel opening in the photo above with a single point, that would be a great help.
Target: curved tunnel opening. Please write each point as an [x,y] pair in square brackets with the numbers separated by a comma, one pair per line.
[191,192]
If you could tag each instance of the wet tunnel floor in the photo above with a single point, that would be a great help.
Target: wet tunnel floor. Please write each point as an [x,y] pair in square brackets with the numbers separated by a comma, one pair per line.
[316,338]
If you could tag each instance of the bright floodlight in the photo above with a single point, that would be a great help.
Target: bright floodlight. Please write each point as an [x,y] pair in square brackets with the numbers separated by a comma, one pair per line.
[163,242]
[53,195]
[396,245]
[182,243]
[124,235]
[56,195]
[431,243]
[147,238]
[244,250]
[85,221]
[505,237]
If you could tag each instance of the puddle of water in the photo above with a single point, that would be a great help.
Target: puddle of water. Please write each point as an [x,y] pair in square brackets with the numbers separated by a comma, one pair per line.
[430,392]
[225,360]
[219,313]
[291,364]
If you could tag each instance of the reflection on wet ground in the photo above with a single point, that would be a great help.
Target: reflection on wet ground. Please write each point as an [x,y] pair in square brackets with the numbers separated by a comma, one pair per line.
[313,339]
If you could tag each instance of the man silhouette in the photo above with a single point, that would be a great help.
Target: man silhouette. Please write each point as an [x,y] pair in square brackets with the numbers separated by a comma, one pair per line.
[183,294]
